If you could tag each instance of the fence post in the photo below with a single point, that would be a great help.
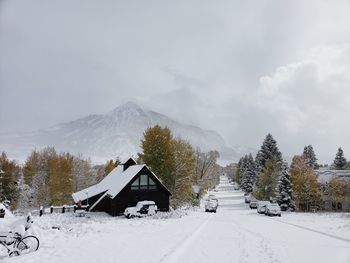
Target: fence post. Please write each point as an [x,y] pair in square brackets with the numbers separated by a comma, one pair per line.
[75,208]
[63,209]
[87,208]
[51,209]
[41,211]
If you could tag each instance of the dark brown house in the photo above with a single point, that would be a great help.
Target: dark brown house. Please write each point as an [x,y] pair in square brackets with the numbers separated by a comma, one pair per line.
[123,187]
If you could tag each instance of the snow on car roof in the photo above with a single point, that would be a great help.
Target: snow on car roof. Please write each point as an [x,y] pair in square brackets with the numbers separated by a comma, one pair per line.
[146,202]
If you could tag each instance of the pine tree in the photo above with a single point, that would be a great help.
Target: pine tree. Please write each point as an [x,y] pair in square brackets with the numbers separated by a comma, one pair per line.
[248,174]
[267,181]
[285,194]
[340,162]
[310,157]
[268,151]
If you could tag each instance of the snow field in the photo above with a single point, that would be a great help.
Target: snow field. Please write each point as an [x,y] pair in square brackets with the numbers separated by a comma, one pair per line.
[234,234]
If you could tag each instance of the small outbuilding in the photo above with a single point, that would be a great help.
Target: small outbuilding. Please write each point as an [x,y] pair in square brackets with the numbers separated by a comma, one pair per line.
[123,187]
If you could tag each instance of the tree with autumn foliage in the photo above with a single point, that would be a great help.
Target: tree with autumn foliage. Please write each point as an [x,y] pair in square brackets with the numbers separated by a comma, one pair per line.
[172,160]
[305,185]
[8,180]
[157,147]
[182,178]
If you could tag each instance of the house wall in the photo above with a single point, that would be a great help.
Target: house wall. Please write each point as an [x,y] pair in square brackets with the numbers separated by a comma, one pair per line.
[91,199]
[128,197]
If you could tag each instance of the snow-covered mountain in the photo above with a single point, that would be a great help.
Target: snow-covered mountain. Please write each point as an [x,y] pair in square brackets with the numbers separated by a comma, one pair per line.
[106,136]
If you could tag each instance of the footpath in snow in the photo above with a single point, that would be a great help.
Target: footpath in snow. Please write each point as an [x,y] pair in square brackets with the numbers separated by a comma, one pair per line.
[234,234]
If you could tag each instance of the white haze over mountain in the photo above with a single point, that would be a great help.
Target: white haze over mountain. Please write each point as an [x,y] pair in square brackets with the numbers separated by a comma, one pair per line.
[241,68]
[115,134]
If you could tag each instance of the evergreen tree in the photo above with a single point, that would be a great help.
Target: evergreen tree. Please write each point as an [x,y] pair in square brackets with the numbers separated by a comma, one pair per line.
[268,151]
[248,174]
[267,182]
[340,162]
[238,171]
[285,194]
[310,157]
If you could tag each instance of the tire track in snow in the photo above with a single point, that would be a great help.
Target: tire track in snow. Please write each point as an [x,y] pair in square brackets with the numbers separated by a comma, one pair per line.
[264,245]
[313,230]
[182,246]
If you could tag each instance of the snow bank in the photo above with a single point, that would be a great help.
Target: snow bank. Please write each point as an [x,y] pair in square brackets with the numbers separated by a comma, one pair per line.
[8,213]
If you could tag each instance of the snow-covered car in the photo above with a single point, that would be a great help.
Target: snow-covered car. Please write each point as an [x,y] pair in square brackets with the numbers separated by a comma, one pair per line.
[247,198]
[142,208]
[262,206]
[253,204]
[236,187]
[212,197]
[273,209]
[211,205]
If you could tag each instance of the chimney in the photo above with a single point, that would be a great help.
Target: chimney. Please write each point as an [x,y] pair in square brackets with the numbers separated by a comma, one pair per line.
[128,163]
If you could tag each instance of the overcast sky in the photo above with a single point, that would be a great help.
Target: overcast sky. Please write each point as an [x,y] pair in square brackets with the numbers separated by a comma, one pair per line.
[242,68]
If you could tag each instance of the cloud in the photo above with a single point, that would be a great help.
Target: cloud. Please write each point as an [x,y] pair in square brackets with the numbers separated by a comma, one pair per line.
[309,100]
[243,68]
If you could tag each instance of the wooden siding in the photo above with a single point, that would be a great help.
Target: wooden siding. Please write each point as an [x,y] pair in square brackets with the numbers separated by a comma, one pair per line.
[128,197]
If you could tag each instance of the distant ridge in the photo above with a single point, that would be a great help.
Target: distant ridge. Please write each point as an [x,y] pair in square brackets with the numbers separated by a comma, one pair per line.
[116,133]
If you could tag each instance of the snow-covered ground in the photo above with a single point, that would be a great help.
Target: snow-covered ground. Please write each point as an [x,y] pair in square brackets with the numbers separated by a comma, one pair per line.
[234,234]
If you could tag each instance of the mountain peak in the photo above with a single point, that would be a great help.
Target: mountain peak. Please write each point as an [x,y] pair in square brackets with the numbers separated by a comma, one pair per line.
[127,109]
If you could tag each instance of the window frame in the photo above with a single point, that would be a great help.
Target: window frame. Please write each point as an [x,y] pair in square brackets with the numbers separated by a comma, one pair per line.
[138,186]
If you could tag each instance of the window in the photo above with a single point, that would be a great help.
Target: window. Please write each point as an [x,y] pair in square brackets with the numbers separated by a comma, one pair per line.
[151,184]
[135,184]
[143,182]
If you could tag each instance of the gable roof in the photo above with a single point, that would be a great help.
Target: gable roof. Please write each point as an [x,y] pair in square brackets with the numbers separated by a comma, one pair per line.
[324,176]
[113,183]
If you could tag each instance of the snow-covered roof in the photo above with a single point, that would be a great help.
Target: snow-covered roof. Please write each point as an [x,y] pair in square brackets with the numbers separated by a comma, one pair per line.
[325,176]
[113,183]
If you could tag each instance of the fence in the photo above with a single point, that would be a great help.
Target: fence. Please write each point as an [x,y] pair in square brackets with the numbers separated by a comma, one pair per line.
[62,209]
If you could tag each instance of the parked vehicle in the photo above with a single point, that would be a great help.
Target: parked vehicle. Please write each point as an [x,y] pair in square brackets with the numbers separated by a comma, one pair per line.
[273,209]
[262,206]
[253,204]
[247,198]
[212,197]
[211,205]
[142,208]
